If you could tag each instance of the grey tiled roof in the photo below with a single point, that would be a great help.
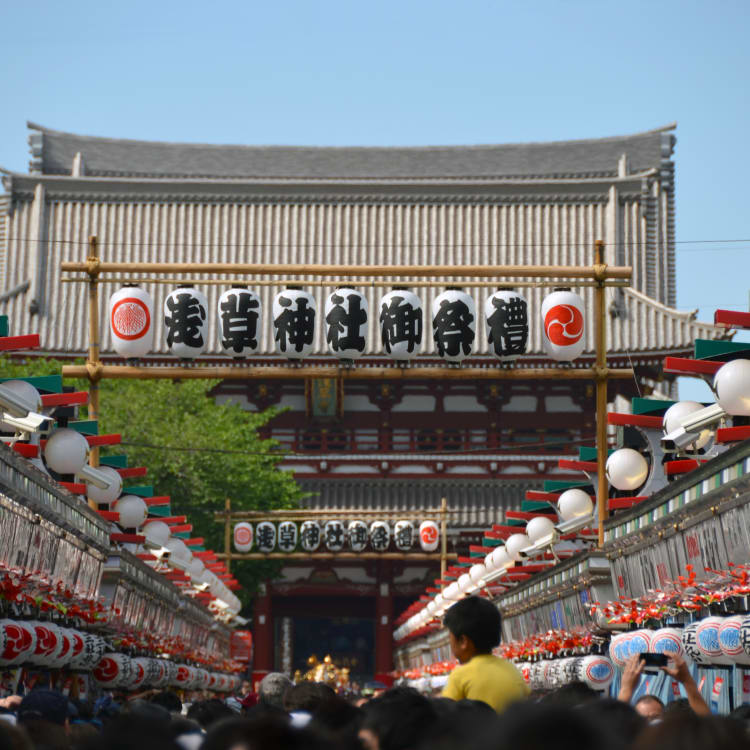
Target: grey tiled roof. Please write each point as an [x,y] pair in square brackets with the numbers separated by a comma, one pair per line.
[53,152]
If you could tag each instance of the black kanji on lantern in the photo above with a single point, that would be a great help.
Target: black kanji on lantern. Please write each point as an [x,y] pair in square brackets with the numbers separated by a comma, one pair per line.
[343,324]
[357,535]
[379,537]
[508,326]
[295,325]
[184,323]
[310,536]
[334,535]
[265,536]
[287,536]
[239,321]
[404,536]
[452,328]
[400,323]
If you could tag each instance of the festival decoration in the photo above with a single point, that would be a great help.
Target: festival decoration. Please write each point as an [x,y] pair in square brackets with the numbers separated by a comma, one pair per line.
[185,322]
[454,324]
[731,641]
[380,536]
[563,325]
[157,533]
[539,528]
[346,313]
[287,536]
[294,313]
[66,451]
[265,536]
[310,536]
[667,641]
[131,315]
[109,494]
[358,535]
[514,544]
[113,670]
[403,535]
[732,387]
[707,640]
[507,324]
[401,324]
[690,644]
[626,469]
[18,640]
[243,536]
[133,511]
[429,536]
[240,321]
[596,671]
[334,535]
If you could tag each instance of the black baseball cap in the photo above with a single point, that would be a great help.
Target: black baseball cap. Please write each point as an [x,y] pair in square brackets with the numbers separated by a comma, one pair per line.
[44,704]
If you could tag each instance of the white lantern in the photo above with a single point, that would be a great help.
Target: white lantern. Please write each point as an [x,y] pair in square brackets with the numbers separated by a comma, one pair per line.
[464,583]
[131,322]
[626,469]
[334,535]
[451,592]
[157,533]
[667,641]
[133,511]
[506,321]
[18,640]
[732,387]
[48,646]
[563,325]
[287,536]
[357,535]
[615,649]
[401,324]
[676,413]
[690,644]
[454,317]
[310,536]
[514,544]
[243,536]
[196,568]
[66,451]
[707,640]
[403,535]
[179,554]
[539,528]
[429,536]
[596,671]
[265,536]
[745,634]
[239,322]
[93,650]
[108,495]
[346,323]
[574,503]
[294,323]
[113,670]
[186,322]
[380,536]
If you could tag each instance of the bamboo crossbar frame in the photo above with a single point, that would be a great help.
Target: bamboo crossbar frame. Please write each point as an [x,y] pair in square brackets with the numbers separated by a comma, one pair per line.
[599,275]
[598,272]
[414,556]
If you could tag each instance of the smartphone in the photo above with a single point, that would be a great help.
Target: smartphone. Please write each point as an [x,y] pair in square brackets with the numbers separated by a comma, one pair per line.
[654,660]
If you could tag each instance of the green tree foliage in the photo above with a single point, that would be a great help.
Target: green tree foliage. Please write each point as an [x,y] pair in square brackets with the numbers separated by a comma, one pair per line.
[196,451]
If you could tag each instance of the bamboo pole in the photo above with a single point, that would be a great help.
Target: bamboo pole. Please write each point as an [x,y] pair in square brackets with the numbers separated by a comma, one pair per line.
[291,372]
[227,532]
[443,537]
[338,282]
[414,556]
[95,266]
[302,513]
[602,374]
[93,362]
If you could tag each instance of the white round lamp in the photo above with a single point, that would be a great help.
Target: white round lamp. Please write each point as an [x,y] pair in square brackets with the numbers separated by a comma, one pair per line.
[157,532]
[677,412]
[574,504]
[626,469]
[464,582]
[133,511]
[109,494]
[732,387]
[515,543]
[538,528]
[66,451]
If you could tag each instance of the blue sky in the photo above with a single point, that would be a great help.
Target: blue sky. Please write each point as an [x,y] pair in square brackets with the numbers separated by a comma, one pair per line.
[390,73]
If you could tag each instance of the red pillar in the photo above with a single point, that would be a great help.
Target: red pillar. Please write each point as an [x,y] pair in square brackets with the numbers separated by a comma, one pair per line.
[262,636]
[384,626]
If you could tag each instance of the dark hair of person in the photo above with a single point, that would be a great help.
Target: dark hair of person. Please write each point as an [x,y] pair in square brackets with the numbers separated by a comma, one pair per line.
[46,735]
[477,619]
[741,713]
[683,731]
[13,737]
[267,732]
[679,705]
[653,698]
[208,712]
[620,718]
[307,696]
[81,733]
[399,718]
[133,732]
[573,694]
[169,699]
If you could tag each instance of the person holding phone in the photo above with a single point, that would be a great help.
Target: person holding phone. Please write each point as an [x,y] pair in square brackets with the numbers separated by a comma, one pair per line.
[649,706]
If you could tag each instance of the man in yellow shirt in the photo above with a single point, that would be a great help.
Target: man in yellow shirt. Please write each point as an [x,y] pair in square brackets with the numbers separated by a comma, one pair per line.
[474,630]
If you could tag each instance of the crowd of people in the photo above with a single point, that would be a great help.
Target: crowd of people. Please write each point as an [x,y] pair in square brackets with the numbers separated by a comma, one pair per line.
[485,705]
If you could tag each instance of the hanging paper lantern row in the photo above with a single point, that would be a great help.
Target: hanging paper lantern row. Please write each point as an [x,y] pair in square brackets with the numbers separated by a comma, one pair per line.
[334,535]
[346,312]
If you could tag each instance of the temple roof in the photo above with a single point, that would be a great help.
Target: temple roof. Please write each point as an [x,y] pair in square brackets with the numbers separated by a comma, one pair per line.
[54,153]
